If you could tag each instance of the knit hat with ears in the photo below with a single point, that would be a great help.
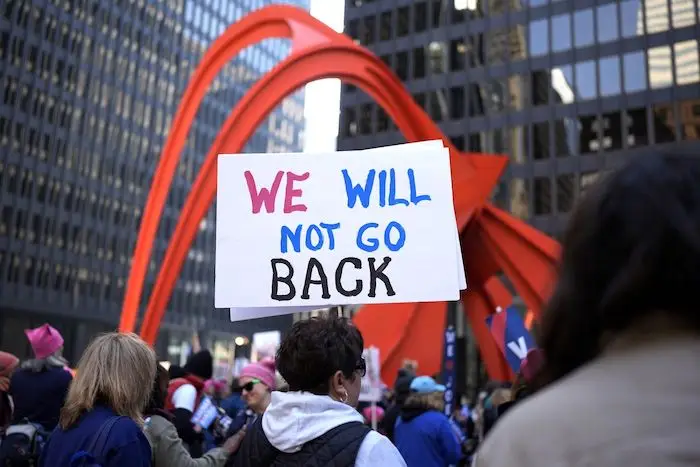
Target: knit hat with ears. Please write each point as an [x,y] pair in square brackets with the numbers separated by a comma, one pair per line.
[264,370]
[45,340]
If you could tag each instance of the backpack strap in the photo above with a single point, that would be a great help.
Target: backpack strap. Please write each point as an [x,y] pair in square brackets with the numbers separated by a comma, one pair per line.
[98,443]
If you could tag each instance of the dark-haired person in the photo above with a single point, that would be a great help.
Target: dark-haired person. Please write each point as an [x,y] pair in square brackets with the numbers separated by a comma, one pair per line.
[184,396]
[402,389]
[621,333]
[168,449]
[316,423]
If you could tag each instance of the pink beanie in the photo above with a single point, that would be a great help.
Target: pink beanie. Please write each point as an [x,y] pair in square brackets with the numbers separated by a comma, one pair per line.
[45,340]
[264,370]
[367,413]
[215,384]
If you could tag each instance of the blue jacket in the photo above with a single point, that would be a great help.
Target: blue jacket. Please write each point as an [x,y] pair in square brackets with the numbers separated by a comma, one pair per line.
[232,405]
[426,439]
[39,396]
[125,446]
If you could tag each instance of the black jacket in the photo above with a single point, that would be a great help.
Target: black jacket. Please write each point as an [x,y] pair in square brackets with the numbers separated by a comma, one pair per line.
[336,448]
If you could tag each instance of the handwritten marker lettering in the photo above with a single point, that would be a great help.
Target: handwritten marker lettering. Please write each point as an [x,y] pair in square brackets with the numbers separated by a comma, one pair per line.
[315,274]
[267,196]
[349,276]
[386,196]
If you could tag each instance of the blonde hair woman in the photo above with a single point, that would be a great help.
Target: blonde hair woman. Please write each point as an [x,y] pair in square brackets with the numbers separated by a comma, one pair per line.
[424,436]
[102,418]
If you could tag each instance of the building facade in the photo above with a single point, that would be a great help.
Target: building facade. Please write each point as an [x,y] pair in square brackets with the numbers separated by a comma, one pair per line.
[567,89]
[90,88]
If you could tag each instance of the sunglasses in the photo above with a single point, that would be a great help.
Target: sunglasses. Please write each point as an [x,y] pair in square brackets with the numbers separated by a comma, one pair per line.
[250,385]
[361,367]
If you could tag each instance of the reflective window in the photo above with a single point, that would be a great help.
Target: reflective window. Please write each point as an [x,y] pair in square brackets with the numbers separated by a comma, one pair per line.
[583,28]
[657,17]
[635,73]
[687,65]
[683,13]
[609,73]
[660,67]
[539,37]
[586,79]
[607,22]
[561,33]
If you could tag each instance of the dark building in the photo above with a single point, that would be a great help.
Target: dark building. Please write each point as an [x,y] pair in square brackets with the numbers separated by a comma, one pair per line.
[566,88]
[89,90]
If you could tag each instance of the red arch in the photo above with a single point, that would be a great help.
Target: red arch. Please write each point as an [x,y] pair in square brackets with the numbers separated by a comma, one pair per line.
[319,52]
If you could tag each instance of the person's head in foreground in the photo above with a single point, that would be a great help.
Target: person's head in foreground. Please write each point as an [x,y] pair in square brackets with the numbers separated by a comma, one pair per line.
[316,422]
[256,381]
[630,263]
[323,356]
[620,335]
[101,421]
[116,371]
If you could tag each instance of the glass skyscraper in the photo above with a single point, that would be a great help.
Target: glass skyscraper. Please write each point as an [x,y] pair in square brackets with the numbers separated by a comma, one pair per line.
[89,90]
[568,89]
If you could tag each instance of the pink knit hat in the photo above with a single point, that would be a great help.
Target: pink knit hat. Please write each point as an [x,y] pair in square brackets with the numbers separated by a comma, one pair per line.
[45,340]
[367,413]
[264,370]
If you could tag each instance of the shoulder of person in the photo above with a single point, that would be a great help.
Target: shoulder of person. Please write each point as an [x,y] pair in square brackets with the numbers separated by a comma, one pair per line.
[185,397]
[156,425]
[376,449]
[125,431]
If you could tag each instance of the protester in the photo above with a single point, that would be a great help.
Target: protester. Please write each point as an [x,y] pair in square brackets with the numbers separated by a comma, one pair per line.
[168,448]
[215,389]
[315,423]
[621,333]
[102,418]
[8,363]
[402,389]
[424,435]
[257,382]
[40,386]
[494,404]
[184,395]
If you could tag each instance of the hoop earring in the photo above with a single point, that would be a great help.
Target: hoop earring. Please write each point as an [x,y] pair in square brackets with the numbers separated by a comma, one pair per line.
[344,398]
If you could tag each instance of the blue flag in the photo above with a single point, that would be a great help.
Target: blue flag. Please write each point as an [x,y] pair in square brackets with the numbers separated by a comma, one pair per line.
[512,337]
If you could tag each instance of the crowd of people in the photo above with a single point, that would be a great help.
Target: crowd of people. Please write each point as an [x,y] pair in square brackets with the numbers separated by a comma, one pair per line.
[613,382]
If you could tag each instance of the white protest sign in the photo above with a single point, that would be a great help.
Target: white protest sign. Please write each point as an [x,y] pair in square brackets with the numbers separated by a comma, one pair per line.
[242,313]
[371,384]
[357,230]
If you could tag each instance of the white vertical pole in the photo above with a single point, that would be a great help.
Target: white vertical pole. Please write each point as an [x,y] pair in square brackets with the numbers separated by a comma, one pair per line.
[374,415]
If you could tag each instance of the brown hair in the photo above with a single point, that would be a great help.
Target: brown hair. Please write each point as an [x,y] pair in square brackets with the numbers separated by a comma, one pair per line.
[426,400]
[117,369]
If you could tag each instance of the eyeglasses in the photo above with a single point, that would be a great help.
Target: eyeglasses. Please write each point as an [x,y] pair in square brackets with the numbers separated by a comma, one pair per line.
[250,385]
[361,367]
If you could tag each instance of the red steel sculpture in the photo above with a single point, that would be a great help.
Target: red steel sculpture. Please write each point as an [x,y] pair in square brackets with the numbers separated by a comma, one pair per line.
[493,242]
